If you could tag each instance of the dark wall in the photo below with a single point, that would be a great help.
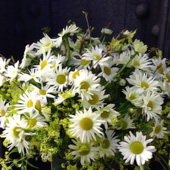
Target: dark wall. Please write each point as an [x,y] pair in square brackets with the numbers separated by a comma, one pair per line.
[21,20]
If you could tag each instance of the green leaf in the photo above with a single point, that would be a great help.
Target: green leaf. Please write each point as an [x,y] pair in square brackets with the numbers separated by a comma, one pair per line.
[14,150]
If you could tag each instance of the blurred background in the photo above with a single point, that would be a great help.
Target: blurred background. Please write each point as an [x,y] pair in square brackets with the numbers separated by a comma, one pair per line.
[22,20]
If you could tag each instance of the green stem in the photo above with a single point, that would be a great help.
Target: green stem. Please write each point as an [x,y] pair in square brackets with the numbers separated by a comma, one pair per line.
[131,58]
[103,39]
[68,49]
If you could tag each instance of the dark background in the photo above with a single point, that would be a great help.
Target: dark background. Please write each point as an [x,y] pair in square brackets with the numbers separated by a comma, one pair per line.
[21,22]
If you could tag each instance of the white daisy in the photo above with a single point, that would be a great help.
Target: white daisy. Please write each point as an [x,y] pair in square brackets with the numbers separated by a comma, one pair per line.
[85,151]
[125,123]
[85,125]
[141,81]
[85,82]
[135,148]
[96,56]
[12,71]
[158,130]
[16,135]
[3,113]
[108,144]
[152,105]
[107,113]
[3,63]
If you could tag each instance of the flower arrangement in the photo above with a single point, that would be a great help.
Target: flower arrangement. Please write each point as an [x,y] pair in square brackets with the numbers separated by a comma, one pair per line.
[94,103]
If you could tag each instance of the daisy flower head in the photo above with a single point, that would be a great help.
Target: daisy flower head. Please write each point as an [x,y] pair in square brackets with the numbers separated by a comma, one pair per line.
[71,30]
[3,112]
[12,71]
[96,98]
[96,56]
[108,144]
[28,52]
[85,151]
[141,81]
[85,82]
[35,120]
[132,94]
[107,113]
[166,75]
[16,135]
[141,62]
[135,148]
[152,105]
[59,78]
[108,72]
[85,125]
[158,130]
[125,123]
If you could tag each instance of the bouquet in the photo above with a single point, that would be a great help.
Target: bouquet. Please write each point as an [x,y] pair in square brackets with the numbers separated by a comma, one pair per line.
[96,103]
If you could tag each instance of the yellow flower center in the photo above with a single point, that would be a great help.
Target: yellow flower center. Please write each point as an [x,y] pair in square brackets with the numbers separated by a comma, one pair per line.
[16,131]
[43,92]
[30,103]
[28,138]
[144,85]
[157,129]
[96,57]
[54,66]
[33,76]
[38,106]
[94,99]
[32,122]
[61,79]
[107,71]
[150,105]
[132,97]
[160,69]
[76,73]
[106,144]
[84,150]
[86,124]
[84,62]
[136,63]
[139,110]
[43,64]
[47,44]
[84,85]
[2,113]
[104,115]
[122,124]
[168,77]
[136,148]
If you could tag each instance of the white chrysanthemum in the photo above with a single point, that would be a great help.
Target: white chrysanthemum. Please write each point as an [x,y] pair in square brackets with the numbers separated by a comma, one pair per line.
[96,99]
[3,112]
[28,52]
[141,81]
[46,43]
[3,63]
[141,62]
[152,105]
[35,120]
[28,102]
[16,135]
[12,71]
[108,72]
[165,88]
[158,130]
[166,75]
[125,123]
[85,82]
[57,60]
[132,94]
[107,113]
[72,29]
[96,56]
[85,125]
[135,148]
[85,151]
[32,75]
[2,78]
[59,78]
[158,67]
[108,144]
